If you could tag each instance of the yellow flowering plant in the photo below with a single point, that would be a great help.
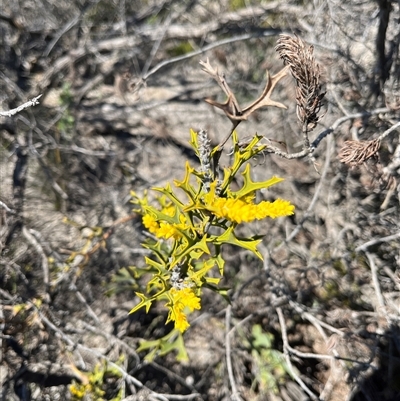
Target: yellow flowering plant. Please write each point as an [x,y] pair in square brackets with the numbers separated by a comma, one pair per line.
[190,224]
[91,385]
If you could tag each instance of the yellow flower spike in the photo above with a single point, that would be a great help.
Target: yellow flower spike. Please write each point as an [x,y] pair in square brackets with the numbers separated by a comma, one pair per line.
[189,299]
[239,211]
[163,229]
[275,209]
[77,391]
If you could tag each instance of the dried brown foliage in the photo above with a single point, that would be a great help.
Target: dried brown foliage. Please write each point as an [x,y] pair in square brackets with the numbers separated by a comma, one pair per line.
[306,72]
[355,153]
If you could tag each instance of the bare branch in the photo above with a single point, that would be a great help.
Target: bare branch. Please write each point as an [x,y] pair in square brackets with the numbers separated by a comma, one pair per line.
[326,132]
[235,394]
[389,131]
[12,112]
[28,234]
[3,205]
[313,202]
[342,120]
[293,373]
[375,281]
[366,245]
[231,107]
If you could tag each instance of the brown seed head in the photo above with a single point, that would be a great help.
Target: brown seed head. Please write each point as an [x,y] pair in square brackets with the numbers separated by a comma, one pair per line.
[306,72]
[355,153]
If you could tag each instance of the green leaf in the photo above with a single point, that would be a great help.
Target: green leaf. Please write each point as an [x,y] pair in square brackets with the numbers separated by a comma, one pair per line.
[229,237]
[242,155]
[173,341]
[144,302]
[199,275]
[125,279]
[261,339]
[160,216]
[186,249]
[185,184]
[221,291]
[194,143]
[250,186]
[169,193]
[161,251]
[179,346]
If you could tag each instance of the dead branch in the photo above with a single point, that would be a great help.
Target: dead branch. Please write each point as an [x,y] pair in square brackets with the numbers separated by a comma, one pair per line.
[231,107]
[235,394]
[380,300]
[375,241]
[293,373]
[29,103]
[314,145]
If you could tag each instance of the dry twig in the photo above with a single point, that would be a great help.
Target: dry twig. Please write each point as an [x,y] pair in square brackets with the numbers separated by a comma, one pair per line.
[235,394]
[372,242]
[231,107]
[293,373]
[29,103]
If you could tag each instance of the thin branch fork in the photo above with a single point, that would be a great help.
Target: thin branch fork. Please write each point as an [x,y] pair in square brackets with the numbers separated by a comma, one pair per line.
[231,107]
[293,373]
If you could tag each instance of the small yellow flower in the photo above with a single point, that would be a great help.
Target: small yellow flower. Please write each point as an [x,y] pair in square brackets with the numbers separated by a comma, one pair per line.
[188,299]
[150,223]
[161,230]
[166,231]
[78,390]
[239,210]
[169,210]
[181,322]
[180,300]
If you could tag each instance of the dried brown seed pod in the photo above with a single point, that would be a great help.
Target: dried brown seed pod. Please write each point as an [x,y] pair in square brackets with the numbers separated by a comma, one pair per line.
[305,70]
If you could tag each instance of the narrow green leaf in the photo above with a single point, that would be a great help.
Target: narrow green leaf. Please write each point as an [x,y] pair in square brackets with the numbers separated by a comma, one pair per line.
[229,237]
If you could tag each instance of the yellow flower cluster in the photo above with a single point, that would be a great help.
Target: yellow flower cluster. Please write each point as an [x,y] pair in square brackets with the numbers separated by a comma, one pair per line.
[78,391]
[160,230]
[150,223]
[239,210]
[180,300]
